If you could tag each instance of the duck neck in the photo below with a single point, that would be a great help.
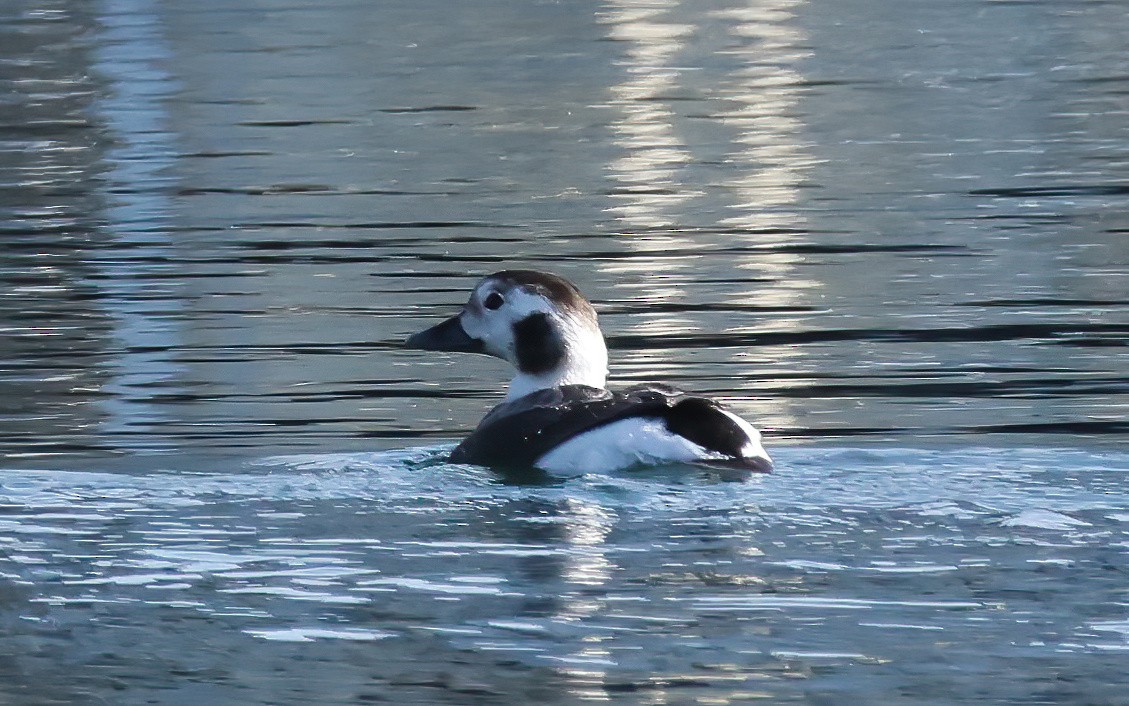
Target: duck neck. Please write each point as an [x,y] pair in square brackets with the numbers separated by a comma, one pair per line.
[592,371]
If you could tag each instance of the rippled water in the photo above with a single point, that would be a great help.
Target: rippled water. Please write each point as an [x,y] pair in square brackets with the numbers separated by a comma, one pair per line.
[851,575]
[892,234]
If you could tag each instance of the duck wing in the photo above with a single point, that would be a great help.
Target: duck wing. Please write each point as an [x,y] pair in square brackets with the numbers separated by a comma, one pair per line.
[517,433]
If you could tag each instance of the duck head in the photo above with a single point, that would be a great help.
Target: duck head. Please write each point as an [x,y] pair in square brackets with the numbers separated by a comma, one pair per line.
[540,323]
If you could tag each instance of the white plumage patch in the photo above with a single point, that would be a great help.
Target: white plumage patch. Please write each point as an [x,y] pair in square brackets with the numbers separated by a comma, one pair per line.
[628,442]
[752,447]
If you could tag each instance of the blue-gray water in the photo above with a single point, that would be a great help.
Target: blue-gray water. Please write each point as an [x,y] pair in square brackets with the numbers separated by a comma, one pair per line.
[892,234]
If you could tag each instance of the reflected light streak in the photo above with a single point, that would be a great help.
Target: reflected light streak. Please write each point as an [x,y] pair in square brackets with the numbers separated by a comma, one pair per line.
[653,153]
[586,529]
[649,192]
[137,210]
[771,158]
[771,155]
[765,164]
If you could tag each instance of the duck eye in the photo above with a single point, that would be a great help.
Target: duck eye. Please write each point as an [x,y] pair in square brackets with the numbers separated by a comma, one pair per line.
[493,300]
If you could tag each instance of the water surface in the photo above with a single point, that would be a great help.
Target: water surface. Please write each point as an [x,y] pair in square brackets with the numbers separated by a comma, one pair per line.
[901,576]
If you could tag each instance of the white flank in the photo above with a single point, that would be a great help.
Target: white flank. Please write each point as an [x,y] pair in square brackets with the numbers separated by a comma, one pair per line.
[622,444]
[752,447]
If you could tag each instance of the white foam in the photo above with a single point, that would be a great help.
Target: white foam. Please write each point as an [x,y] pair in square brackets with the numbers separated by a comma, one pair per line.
[1119,626]
[431,586]
[296,595]
[312,634]
[1043,519]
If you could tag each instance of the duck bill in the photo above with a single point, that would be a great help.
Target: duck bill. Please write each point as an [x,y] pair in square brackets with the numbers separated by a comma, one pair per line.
[447,336]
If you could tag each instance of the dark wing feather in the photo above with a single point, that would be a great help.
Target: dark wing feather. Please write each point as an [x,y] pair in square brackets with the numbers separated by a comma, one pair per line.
[520,432]
[702,421]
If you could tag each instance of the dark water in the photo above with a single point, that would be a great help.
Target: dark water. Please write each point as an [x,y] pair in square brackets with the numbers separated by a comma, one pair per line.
[893,234]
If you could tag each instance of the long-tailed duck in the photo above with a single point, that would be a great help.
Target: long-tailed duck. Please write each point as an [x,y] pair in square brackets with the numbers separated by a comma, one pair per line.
[557,415]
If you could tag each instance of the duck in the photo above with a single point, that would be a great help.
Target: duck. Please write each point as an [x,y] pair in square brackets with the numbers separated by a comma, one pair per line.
[558,414]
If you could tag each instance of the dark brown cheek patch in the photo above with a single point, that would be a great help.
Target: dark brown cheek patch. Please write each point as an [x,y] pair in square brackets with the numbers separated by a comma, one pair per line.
[538,347]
